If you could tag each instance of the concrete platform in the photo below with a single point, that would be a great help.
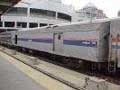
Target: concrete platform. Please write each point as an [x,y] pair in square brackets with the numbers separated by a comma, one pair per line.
[77,79]
[44,80]
[12,78]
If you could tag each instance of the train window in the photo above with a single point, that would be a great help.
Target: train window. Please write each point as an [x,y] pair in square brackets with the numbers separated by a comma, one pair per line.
[59,37]
[9,24]
[21,24]
[33,25]
[0,24]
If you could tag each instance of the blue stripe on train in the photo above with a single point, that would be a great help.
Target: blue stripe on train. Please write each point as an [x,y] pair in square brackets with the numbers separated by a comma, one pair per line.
[81,43]
[37,40]
[85,43]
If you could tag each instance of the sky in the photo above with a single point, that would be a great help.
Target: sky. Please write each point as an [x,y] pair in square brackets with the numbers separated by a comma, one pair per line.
[110,7]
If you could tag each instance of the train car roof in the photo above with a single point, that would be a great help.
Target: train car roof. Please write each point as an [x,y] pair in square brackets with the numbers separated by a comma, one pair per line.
[74,26]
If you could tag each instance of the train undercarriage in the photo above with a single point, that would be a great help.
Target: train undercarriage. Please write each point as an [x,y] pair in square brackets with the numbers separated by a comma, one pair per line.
[73,63]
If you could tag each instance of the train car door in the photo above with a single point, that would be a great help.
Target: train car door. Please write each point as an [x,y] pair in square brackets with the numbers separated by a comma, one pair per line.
[16,37]
[58,42]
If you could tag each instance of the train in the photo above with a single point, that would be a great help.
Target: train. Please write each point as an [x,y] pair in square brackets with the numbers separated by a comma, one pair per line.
[95,44]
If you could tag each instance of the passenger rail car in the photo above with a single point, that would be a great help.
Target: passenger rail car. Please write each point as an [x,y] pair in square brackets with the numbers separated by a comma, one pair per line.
[90,42]
[114,43]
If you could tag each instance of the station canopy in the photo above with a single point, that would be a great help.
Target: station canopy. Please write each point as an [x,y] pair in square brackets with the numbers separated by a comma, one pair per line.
[6,4]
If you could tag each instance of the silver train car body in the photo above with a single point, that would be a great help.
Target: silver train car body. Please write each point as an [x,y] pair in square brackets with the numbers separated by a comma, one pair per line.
[114,42]
[97,42]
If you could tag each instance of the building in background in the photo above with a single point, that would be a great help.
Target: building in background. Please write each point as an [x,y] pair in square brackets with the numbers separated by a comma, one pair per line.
[36,13]
[90,11]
